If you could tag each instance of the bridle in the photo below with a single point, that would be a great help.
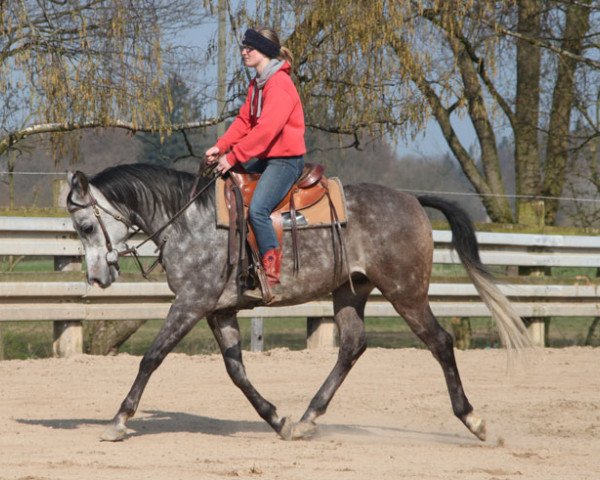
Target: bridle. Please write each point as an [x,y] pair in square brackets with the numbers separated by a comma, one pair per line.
[112,254]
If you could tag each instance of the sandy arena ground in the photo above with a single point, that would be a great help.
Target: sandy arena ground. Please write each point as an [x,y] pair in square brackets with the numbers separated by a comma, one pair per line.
[391,418]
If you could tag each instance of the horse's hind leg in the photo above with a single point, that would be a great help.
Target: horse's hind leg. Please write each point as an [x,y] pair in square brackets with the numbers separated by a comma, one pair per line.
[226,330]
[182,317]
[424,324]
[349,316]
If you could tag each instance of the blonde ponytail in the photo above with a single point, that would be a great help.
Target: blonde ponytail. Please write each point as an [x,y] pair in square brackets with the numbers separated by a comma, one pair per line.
[286,55]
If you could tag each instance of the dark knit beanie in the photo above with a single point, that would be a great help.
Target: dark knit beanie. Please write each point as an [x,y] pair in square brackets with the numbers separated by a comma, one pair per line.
[265,46]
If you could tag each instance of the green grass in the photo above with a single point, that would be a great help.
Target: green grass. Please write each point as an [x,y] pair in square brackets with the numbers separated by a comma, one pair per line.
[291,333]
[46,264]
[22,340]
[14,264]
[128,265]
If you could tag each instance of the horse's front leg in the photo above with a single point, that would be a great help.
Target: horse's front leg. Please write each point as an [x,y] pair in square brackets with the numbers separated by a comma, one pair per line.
[226,330]
[182,317]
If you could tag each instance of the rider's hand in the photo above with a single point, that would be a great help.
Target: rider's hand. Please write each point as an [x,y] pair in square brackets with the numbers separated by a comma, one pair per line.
[212,155]
[223,165]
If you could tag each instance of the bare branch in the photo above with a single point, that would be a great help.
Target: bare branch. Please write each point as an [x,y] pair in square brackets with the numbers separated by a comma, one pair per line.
[191,153]
[12,138]
[541,44]
[355,144]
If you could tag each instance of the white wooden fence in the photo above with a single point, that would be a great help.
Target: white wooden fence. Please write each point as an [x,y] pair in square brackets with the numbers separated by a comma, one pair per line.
[72,302]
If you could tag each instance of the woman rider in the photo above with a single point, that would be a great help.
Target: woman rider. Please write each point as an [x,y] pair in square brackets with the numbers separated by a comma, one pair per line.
[270,129]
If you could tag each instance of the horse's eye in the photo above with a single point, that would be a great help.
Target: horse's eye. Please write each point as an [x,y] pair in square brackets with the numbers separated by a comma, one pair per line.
[87,229]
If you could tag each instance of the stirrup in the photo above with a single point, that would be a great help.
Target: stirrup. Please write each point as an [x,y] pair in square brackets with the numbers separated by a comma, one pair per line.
[258,294]
[253,294]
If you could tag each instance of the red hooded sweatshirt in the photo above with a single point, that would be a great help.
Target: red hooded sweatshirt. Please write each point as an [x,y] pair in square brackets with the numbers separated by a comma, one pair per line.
[278,132]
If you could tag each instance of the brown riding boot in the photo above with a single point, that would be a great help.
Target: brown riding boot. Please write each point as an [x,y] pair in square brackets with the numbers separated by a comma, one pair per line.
[272,264]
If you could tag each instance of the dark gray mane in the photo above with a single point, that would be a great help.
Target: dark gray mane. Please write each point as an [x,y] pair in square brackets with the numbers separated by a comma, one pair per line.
[140,187]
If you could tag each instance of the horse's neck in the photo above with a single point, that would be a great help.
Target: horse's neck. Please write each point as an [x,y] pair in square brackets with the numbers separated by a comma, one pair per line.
[149,220]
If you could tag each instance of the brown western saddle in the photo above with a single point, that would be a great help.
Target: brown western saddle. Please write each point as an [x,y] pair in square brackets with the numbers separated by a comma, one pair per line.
[313,201]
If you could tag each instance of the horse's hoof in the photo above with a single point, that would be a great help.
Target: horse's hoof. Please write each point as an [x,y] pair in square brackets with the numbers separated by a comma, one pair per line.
[287,427]
[114,433]
[303,430]
[476,425]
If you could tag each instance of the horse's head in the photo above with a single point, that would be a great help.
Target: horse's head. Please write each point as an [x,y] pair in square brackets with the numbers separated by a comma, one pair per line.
[100,227]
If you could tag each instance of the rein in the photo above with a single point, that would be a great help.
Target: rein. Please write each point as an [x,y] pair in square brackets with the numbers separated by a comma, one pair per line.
[112,254]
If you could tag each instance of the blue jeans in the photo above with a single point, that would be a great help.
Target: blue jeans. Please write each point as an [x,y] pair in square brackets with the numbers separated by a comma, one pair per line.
[277,177]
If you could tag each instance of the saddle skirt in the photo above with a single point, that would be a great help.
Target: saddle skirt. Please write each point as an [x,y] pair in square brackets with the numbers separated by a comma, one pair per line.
[309,198]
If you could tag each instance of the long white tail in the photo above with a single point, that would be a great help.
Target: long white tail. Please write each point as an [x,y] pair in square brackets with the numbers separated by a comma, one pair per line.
[511,328]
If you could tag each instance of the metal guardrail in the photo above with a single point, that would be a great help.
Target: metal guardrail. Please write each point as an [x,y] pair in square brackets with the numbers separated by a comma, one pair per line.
[76,301]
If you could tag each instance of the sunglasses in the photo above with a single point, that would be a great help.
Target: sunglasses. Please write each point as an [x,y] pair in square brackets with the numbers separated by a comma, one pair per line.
[247,49]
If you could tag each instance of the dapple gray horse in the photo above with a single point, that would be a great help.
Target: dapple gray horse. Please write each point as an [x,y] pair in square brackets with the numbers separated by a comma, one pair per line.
[389,247]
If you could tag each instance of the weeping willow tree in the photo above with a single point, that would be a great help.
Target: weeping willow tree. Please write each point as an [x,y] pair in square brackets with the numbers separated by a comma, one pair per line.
[69,65]
[516,68]
[66,65]
[525,69]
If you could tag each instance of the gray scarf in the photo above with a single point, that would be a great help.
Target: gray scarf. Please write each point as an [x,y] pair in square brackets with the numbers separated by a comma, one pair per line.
[272,67]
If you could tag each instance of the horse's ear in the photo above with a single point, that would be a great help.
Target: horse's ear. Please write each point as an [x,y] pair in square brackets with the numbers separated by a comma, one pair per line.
[78,182]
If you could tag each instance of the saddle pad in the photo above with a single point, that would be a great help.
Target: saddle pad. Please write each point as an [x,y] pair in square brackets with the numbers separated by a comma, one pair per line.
[317,215]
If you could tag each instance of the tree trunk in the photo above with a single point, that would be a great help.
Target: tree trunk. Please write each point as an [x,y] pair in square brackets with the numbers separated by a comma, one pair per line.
[12,161]
[527,158]
[461,327]
[557,155]
[479,116]
[592,330]
[105,337]
[222,65]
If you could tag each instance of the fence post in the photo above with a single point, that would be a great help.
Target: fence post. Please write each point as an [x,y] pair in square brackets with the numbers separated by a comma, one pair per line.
[68,335]
[532,214]
[256,334]
[68,338]
[537,331]
[321,332]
